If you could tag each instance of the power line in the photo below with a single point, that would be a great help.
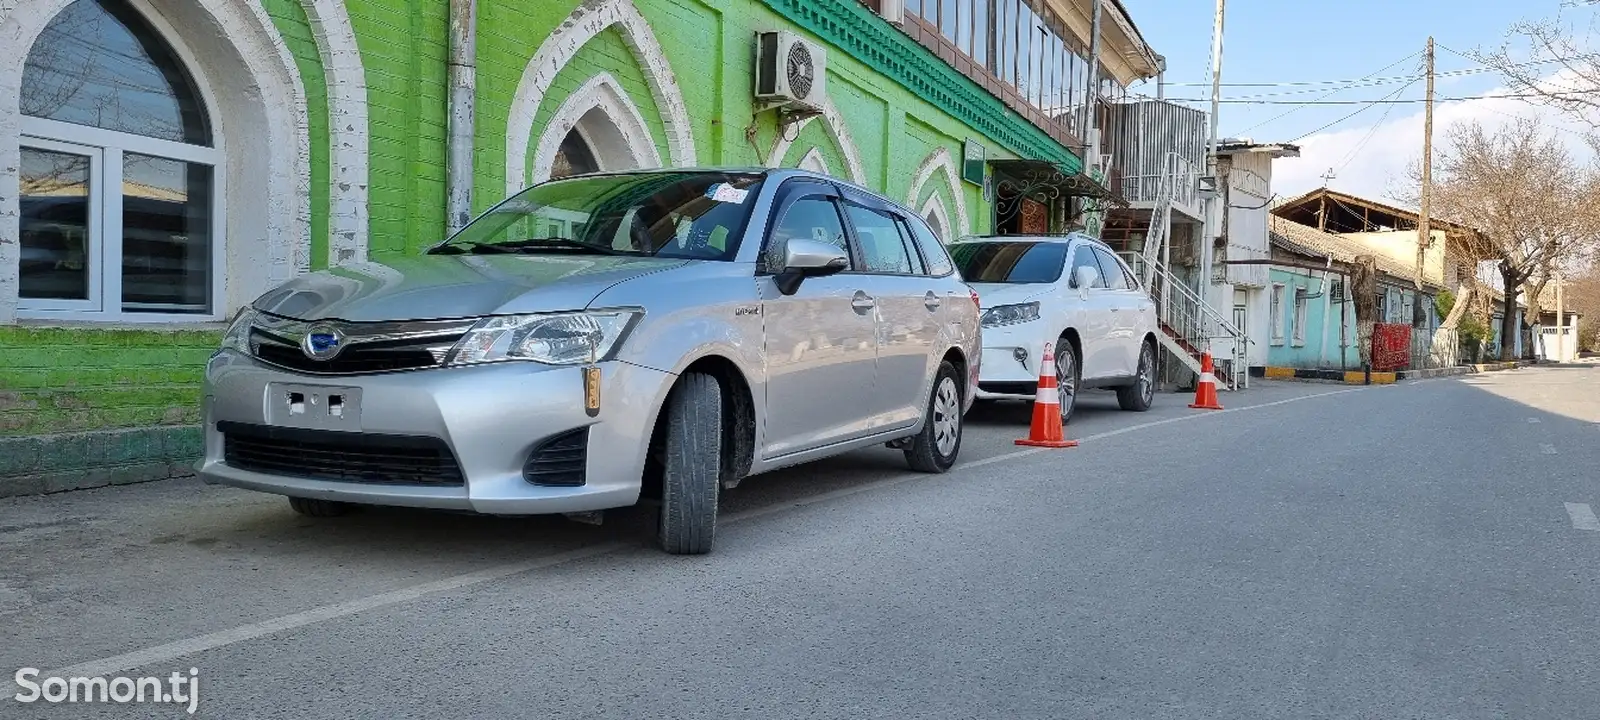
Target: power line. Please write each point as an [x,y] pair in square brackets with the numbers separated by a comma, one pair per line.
[1331,93]
[1387,101]
[1390,79]
[1351,115]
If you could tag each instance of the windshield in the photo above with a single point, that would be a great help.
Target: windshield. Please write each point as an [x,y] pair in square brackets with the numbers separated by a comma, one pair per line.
[1010,261]
[694,215]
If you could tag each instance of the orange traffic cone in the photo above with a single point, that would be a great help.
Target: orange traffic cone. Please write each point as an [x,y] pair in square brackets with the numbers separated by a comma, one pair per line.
[1045,431]
[1205,392]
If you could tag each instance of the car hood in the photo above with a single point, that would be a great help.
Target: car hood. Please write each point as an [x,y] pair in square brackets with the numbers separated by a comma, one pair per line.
[454,286]
[992,294]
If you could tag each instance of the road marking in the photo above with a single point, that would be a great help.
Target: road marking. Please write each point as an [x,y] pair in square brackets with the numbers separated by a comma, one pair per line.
[210,641]
[1547,448]
[1582,517]
[1533,420]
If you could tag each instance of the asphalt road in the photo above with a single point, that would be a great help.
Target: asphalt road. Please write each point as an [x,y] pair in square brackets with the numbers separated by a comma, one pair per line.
[1426,550]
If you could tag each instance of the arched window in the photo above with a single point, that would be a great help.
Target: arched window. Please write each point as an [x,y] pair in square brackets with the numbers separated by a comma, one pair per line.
[574,157]
[119,173]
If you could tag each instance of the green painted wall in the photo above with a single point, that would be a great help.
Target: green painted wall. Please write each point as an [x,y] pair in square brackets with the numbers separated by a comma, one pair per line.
[65,380]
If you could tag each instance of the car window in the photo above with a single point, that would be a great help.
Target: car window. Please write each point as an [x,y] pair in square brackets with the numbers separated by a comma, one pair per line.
[882,248]
[812,218]
[1111,270]
[917,266]
[1010,261]
[939,263]
[1084,257]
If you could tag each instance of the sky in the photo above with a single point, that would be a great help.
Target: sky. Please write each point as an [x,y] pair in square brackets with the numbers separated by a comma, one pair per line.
[1268,43]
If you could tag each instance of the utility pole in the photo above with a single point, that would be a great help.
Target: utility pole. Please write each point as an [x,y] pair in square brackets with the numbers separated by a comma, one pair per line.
[1213,209]
[1561,323]
[1424,218]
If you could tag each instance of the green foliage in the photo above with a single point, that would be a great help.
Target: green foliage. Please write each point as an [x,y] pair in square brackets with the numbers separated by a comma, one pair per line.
[1444,302]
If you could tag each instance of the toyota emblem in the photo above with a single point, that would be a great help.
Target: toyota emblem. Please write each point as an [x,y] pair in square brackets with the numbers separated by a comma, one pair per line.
[322,342]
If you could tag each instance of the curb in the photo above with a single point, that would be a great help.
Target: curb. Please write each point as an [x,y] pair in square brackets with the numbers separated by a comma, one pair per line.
[1343,377]
[45,464]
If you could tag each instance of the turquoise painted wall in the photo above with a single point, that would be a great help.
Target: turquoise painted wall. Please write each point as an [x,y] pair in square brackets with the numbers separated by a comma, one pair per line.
[1317,343]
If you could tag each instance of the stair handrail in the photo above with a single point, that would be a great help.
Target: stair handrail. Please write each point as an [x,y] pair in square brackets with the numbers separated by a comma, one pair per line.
[1190,297]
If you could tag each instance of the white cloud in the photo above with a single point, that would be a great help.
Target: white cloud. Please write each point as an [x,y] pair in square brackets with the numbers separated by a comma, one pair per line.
[1379,162]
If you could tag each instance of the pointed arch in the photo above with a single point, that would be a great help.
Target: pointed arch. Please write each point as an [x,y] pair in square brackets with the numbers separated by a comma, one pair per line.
[940,159]
[836,128]
[629,143]
[252,85]
[934,212]
[347,130]
[587,21]
[814,161]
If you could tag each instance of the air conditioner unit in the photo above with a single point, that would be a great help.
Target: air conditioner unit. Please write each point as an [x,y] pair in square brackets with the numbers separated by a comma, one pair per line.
[790,72]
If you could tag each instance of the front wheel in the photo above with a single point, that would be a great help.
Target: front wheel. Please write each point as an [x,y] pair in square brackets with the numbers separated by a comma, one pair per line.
[692,466]
[934,449]
[1139,396]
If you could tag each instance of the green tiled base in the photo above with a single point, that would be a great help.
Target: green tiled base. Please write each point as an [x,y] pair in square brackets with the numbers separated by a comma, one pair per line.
[32,465]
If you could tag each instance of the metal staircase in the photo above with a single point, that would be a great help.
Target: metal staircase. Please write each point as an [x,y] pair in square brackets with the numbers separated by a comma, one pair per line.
[1188,323]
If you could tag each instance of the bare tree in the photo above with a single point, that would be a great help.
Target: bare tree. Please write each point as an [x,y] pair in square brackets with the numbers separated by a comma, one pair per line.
[1531,203]
[1529,52]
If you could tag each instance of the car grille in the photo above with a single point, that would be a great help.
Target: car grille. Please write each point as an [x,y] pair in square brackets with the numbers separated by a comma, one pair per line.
[560,461]
[340,456]
[368,347]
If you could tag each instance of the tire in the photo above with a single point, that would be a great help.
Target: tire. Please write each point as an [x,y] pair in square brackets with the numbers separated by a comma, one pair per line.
[319,508]
[934,450]
[1067,383]
[1138,396]
[692,466]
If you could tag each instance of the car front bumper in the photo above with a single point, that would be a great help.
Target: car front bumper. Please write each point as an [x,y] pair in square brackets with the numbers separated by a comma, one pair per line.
[483,421]
[1010,364]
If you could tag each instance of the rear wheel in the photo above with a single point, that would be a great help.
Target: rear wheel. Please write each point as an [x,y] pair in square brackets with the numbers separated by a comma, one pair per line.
[319,508]
[934,449]
[1138,396]
[692,466]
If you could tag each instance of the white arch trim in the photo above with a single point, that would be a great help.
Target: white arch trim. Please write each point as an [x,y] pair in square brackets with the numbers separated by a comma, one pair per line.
[603,93]
[587,21]
[836,128]
[814,162]
[934,208]
[940,159]
[347,130]
[261,248]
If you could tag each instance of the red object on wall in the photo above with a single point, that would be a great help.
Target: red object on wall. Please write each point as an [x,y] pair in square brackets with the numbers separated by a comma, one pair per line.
[1391,347]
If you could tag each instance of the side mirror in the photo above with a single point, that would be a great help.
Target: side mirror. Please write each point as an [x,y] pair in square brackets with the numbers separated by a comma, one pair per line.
[809,258]
[1083,278]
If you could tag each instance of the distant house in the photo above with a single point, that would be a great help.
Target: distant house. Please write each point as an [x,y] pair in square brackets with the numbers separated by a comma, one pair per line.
[1311,316]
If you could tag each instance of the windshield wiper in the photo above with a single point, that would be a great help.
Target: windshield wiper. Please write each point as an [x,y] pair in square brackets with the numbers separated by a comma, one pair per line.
[476,248]
[553,243]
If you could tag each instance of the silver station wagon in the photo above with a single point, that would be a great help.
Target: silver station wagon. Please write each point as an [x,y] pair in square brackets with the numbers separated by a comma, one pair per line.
[600,341]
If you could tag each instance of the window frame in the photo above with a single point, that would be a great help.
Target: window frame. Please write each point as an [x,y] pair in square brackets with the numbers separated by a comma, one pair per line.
[1102,255]
[1275,305]
[853,234]
[1072,264]
[1301,313]
[110,145]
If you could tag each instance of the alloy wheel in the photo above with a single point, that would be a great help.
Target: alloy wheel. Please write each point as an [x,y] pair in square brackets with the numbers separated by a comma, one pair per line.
[1066,378]
[1147,375]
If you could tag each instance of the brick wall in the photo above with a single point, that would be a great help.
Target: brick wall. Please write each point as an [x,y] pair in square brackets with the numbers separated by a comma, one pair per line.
[73,380]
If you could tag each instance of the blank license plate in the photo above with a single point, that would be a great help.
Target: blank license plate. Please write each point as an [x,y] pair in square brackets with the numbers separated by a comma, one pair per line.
[314,407]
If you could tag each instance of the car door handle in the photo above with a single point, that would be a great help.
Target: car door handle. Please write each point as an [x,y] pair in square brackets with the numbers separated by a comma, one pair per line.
[863,302]
[931,301]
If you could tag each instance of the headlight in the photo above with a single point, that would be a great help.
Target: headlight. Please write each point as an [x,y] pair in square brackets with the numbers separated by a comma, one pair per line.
[238,335]
[1010,314]
[554,339]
